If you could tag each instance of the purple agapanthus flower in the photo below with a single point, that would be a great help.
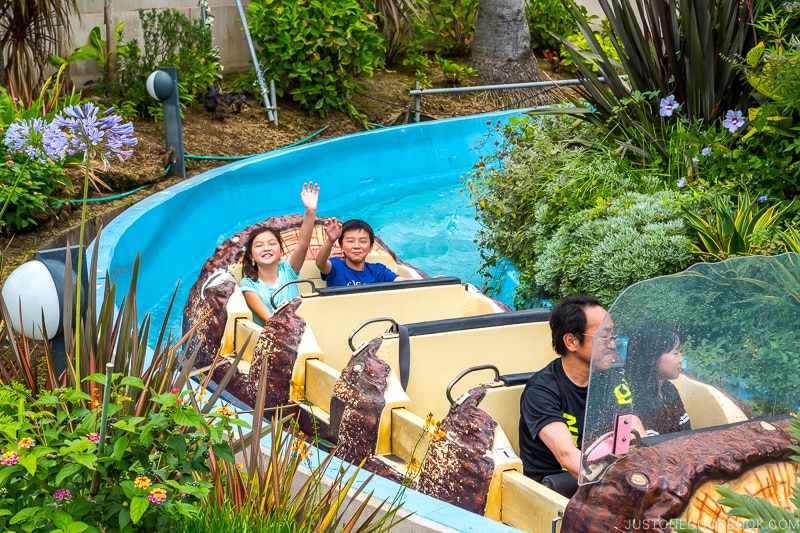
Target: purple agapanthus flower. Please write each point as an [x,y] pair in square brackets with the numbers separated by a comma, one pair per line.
[733,120]
[695,160]
[37,139]
[706,151]
[762,199]
[668,106]
[95,134]
[682,183]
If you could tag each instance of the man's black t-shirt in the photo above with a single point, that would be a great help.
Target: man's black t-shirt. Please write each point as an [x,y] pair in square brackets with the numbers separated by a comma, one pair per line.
[549,396]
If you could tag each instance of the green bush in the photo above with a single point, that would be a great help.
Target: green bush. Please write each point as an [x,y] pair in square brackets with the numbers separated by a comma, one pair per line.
[605,249]
[54,476]
[170,39]
[317,51]
[446,25]
[547,17]
[539,181]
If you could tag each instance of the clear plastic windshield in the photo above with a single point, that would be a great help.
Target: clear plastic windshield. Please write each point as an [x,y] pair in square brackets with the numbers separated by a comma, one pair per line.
[714,345]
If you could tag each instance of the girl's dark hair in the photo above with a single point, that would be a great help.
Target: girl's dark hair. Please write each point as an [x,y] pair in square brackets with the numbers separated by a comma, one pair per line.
[646,343]
[355,225]
[248,270]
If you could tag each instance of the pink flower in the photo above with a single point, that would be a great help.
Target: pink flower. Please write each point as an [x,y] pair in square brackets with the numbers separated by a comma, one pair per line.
[61,494]
[26,442]
[94,437]
[9,458]
[157,496]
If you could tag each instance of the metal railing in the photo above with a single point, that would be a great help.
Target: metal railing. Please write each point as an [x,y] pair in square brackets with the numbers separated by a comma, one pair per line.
[417,93]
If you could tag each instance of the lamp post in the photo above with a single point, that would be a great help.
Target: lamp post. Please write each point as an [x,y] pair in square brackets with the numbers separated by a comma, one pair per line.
[38,291]
[163,86]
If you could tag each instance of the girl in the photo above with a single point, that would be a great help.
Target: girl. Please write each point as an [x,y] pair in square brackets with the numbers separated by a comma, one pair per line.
[264,271]
[653,358]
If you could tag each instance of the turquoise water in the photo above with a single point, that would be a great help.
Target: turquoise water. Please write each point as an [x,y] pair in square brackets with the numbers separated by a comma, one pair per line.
[433,229]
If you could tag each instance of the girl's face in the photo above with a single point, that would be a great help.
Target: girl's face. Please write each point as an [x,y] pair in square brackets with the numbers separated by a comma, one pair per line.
[266,249]
[669,363]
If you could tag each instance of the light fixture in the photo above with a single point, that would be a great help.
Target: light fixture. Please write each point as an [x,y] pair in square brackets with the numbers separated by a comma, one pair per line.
[34,296]
[163,86]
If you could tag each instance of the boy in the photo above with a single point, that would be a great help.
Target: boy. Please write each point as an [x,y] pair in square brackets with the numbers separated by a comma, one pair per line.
[356,239]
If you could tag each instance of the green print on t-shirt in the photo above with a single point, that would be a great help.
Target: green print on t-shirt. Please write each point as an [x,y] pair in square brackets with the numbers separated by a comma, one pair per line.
[572,424]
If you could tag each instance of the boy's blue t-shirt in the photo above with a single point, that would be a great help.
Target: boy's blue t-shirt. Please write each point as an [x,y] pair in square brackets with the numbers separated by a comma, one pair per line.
[342,275]
[264,290]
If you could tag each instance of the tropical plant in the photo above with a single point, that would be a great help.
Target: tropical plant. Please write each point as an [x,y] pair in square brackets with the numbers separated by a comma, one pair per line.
[71,463]
[318,52]
[447,25]
[396,21]
[28,36]
[682,49]
[745,230]
[28,177]
[273,493]
[551,176]
[454,73]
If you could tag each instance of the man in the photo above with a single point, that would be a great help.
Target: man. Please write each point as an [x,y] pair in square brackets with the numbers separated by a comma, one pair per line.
[553,404]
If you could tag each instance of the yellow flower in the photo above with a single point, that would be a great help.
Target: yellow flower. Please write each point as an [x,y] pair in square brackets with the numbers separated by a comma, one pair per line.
[225,411]
[142,482]
[26,442]
[413,467]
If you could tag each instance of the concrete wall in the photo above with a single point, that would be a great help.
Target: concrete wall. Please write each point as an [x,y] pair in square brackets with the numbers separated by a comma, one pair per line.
[227,29]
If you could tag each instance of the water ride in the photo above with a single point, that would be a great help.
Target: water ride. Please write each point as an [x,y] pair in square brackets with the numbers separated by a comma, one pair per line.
[369,369]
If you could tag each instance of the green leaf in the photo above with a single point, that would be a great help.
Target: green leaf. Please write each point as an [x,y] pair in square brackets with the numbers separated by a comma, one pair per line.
[132,381]
[61,519]
[24,514]
[29,462]
[223,451]
[120,447]
[138,507]
[65,472]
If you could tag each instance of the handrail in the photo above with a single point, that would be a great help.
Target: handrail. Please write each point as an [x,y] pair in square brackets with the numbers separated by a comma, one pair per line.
[417,92]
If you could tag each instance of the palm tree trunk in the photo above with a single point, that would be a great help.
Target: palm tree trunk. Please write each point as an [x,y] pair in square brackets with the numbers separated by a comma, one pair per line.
[501,49]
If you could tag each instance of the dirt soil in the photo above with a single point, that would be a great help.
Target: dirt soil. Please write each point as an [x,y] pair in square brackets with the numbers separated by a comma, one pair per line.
[384,102]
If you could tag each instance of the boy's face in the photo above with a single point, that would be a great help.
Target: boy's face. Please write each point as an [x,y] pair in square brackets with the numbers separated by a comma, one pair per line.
[356,246]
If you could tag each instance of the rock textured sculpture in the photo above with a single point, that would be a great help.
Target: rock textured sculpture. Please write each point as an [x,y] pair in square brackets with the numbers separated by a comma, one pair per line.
[648,488]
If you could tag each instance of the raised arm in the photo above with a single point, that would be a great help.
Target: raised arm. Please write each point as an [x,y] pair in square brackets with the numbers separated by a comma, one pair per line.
[333,230]
[309,195]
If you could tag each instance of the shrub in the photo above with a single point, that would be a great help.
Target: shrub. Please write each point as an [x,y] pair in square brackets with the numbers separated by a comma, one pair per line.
[605,249]
[55,476]
[447,25]
[548,17]
[539,180]
[317,51]
[169,39]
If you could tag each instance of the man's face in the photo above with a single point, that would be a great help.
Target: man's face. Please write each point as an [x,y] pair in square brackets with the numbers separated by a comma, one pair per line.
[598,346]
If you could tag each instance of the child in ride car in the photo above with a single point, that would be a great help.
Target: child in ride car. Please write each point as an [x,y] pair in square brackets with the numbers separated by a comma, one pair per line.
[356,239]
[264,270]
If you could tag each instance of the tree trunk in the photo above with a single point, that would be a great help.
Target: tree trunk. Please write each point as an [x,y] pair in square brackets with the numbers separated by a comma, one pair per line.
[501,50]
[111,42]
